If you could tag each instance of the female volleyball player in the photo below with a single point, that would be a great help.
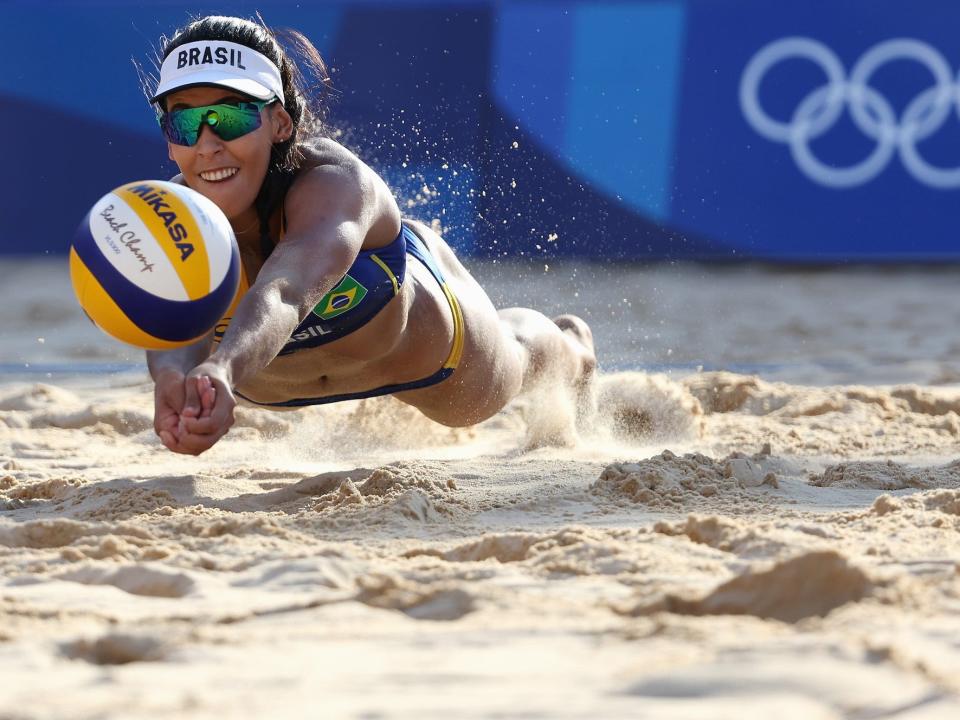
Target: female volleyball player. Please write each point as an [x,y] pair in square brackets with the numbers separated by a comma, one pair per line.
[341,297]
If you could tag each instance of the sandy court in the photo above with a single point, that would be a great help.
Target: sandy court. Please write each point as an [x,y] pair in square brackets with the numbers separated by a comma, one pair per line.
[764,523]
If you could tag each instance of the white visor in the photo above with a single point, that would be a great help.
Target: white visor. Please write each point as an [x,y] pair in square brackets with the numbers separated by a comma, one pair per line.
[224,64]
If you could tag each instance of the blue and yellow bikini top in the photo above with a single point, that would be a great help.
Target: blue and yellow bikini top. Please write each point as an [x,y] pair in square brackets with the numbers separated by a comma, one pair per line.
[373,280]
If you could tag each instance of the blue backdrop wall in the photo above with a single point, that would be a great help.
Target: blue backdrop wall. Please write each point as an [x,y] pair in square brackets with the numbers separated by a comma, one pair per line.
[818,130]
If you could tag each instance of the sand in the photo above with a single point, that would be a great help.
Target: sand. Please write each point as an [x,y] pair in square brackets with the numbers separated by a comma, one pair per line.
[715,545]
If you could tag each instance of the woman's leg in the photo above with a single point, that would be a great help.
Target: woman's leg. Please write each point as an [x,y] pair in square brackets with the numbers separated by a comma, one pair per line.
[506,353]
[558,373]
[556,351]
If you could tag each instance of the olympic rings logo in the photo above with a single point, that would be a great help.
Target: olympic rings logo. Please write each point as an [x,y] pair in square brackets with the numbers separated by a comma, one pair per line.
[871,112]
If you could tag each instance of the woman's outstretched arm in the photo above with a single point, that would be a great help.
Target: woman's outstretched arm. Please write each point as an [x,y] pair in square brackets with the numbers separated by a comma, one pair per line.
[327,221]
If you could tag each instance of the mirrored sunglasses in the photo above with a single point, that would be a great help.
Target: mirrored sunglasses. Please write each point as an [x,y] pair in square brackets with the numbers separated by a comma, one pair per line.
[228,121]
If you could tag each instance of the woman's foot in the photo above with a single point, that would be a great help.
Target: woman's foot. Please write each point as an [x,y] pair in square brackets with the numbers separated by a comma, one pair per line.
[581,339]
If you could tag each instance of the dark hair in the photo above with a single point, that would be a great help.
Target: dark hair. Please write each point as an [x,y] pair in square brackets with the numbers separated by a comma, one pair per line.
[301,102]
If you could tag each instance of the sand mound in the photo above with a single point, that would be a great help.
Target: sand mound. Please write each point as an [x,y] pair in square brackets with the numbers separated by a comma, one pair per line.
[35,397]
[47,406]
[140,579]
[801,420]
[669,481]
[415,490]
[574,551]
[213,523]
[946,502]
[421,602]
[887,475]
[725,392]
[505,548]
[124,503]
[61,532]
[722,392]
[427,476]
[714,531]
[117,649]
[50,489]
[811,584]
[114,547]
[98,417]
[926,402]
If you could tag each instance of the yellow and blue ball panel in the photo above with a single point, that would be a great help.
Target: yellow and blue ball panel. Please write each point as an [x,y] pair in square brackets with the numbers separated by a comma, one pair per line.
[164,296]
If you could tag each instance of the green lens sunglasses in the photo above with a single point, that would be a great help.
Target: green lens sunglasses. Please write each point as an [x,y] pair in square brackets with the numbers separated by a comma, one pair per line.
[228,121]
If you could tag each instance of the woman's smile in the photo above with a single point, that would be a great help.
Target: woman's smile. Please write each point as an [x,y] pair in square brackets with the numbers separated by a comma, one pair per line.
[218,175]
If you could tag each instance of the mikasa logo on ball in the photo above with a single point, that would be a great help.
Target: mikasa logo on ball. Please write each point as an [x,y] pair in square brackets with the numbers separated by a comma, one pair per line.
[178,233]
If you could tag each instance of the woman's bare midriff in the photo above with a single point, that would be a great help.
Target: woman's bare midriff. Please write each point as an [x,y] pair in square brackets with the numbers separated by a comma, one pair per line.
[409,339]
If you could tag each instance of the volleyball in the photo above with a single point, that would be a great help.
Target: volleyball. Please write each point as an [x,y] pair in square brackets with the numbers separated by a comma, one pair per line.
[155,264]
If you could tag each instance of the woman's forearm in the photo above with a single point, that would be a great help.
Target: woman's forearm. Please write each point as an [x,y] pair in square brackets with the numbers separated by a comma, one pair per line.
[181,360]
[262,324]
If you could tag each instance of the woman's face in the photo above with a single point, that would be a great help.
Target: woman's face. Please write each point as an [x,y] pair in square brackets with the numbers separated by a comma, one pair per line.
[229,173]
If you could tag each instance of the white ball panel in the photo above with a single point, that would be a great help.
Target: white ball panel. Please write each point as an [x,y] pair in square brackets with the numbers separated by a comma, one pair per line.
[126,242]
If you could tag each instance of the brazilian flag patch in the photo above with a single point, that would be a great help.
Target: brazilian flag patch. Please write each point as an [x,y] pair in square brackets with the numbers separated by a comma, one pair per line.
[345,296]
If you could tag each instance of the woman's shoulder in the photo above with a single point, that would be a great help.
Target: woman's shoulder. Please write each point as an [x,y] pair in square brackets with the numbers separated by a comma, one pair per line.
[327,171]
[334,182]
[331,169]
[328,162]
[326,152]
